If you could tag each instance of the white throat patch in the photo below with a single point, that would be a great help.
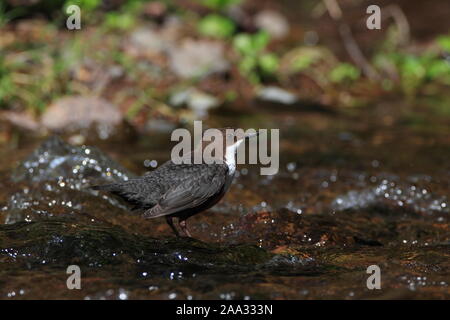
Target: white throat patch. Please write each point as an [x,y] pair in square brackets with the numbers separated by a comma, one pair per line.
[230,157]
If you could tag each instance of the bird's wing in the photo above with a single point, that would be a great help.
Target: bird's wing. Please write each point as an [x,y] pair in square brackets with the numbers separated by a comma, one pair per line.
[192,191]
[136,191]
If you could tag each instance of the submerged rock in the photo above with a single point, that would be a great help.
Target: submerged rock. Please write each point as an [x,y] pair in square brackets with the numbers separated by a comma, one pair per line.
[62,243]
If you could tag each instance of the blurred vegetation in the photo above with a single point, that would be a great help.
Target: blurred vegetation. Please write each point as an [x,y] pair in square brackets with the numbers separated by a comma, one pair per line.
[255,61]
[220,4]
[51,62]
[215,25]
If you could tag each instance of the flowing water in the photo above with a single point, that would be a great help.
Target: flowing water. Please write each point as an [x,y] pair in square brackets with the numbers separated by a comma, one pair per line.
[354,189]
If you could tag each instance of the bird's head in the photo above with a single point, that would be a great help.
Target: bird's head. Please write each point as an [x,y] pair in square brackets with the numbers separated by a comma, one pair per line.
[230,138]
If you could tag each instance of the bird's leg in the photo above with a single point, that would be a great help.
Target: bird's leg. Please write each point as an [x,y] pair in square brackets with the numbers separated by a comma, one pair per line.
[169,220]
[183,226]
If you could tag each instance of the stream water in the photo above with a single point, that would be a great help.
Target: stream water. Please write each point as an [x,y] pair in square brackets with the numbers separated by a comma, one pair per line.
[354,189]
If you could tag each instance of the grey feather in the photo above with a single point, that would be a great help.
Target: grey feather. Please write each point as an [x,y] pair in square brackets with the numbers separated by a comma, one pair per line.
[171,188]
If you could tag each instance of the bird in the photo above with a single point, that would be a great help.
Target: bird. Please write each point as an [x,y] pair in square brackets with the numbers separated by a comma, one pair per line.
[181,190]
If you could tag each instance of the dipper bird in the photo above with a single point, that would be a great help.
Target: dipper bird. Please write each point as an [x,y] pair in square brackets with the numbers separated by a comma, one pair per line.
[182,190]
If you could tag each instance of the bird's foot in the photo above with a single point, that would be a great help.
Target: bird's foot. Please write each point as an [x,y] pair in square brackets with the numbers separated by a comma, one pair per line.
[183,226]
[172,226]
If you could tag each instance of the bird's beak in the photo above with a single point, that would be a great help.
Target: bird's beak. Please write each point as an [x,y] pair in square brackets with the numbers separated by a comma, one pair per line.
[251,135]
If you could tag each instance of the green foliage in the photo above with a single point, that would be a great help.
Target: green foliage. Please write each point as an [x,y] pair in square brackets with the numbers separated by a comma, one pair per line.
[412,74]
[268,63]
[142,100]
[254,61]
[5,16]
[344,73]
[313,62]
[217,26]
[126,18]
[416,71]
[7,86]
[119,20]
[231,96]
[303,62]
[85,5]
[444,42]
[32,78]
[438,69]
[248,44]
[220,4]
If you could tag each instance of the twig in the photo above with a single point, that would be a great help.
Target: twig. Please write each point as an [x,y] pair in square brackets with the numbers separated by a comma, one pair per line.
[400,19]
[350,43]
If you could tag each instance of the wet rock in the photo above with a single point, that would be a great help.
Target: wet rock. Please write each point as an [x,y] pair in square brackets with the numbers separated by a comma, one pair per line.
[78,112]
[160,125]
[273,22]
[282,227]
[201,102]
[197,58]
[20,120]
[62,243]
[146,39]
[150,40]
[196,100]
[154,42]
[277,95]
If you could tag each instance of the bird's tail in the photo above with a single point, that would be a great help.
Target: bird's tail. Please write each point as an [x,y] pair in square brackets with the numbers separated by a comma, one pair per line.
[105,187]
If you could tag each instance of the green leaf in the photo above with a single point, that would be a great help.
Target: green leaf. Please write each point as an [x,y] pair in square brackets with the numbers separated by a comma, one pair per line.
[247,64]
[121,21]
[251,49]
[412,67]
[344,72]
[302,63]
[220,4]
[251,44]
[412,74]
[88,5]
[243,43]
[260,40]
[444,42]
[269,63]
[217,26]
[438,68]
